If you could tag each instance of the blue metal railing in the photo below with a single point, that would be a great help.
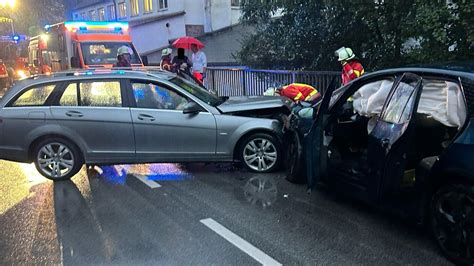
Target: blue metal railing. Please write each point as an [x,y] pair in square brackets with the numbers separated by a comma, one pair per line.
[238,81]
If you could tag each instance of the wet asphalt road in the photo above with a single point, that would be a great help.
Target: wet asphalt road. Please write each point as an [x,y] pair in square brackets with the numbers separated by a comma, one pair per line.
[116,218]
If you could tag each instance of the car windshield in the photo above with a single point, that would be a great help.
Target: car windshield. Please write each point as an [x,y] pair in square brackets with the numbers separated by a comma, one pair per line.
[197,91]
[105,53]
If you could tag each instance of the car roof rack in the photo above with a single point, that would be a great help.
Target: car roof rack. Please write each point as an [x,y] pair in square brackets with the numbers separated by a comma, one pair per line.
[95,71]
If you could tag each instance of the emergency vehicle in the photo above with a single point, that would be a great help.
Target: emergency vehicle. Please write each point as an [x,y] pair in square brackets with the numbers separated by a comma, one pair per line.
[79,44]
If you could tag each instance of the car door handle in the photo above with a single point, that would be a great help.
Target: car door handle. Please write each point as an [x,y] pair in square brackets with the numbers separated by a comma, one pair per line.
[145,117]
[74,114]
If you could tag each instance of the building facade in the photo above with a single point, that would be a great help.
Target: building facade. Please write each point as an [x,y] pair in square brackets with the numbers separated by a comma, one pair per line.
[155,24]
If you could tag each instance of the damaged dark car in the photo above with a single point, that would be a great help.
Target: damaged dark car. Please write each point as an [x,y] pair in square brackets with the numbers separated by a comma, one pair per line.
[399,139]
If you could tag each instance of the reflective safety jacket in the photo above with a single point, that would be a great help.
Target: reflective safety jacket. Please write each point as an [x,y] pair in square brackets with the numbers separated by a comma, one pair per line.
[351,70]
[298,92]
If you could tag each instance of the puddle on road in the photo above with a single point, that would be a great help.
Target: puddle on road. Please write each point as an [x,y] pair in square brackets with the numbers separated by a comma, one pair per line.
[117,174]
[261,190]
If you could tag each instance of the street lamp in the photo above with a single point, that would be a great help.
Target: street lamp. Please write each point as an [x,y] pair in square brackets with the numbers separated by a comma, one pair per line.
[11,4]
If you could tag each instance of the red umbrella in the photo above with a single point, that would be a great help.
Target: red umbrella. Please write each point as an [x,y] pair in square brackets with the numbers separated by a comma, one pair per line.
[186,42]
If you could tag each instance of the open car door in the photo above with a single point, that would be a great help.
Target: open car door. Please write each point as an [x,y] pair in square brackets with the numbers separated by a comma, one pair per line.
[313,140]
[390,138]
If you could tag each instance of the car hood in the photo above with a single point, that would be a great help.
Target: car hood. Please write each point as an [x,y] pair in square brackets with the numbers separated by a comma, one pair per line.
[247,103]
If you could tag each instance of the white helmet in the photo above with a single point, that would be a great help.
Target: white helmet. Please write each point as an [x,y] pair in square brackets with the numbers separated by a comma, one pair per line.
[270,92]
[345,54]
[166,51]
[124,50]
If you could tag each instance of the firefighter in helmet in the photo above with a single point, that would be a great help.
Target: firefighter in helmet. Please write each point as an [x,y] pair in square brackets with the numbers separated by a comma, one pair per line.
[351,67]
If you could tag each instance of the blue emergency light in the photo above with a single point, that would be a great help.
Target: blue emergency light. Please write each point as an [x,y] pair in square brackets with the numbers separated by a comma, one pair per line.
[95,25]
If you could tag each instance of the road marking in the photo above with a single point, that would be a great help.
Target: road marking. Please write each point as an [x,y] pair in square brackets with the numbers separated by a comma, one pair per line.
[148,182]
[239,242]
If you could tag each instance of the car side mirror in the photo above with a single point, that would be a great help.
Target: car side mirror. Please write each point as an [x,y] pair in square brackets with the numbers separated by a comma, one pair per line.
[192,108]
[144,60]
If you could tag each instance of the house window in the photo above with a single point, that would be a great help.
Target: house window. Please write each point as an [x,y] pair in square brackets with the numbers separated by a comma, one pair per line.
[235,3]
[92,15]
[76,16]
[101,12]
[111,12]
[163,4]
[134,7]
[148,6]
[83,15]
[122,10]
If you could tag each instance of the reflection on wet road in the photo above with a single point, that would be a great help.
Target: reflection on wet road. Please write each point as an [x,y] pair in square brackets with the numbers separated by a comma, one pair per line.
[200,214]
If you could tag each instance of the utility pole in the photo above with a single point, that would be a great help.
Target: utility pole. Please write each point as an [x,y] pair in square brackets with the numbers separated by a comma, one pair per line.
[11,21]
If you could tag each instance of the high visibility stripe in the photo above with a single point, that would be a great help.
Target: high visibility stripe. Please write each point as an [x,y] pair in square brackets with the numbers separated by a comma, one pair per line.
[357,73]
[298,96]
[362,72]
[310,95]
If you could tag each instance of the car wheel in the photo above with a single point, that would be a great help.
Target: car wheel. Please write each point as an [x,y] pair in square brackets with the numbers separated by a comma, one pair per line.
[260,153]
[452,222]
[295,165]
[57,159]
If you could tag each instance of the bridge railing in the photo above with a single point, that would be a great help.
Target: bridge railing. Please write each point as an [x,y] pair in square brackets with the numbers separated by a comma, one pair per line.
[239,81]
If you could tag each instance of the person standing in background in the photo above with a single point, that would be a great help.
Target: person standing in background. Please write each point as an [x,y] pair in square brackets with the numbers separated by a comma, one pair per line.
[199,61]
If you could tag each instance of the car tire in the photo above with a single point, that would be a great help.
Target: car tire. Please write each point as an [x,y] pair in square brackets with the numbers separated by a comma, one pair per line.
[57,159]
[260,152]
[452,223]
[295,164]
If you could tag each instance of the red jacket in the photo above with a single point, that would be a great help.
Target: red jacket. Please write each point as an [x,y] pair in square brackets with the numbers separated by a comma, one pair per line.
[351,70]
[298,92]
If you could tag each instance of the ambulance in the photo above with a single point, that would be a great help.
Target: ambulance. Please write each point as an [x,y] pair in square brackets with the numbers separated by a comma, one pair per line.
[80,44]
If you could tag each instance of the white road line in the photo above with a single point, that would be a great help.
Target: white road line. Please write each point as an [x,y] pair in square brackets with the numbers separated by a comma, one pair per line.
[239,242]
[148,182]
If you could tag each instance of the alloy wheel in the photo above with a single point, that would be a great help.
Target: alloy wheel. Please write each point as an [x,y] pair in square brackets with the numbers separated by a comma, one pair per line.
[260,154]
[55,160]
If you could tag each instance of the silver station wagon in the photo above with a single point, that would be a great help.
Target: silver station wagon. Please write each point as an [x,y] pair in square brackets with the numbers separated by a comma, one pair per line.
[62,121]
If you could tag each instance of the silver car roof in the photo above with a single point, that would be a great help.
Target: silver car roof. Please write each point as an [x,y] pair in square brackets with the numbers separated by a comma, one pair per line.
[86,75]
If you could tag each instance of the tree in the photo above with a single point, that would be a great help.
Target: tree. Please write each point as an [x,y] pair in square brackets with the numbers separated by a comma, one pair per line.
[31,15]
[383,33]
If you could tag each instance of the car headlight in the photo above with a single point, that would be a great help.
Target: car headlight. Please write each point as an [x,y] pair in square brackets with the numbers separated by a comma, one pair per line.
[21,74]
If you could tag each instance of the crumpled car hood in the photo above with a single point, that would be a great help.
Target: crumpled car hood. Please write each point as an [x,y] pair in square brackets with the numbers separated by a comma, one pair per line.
[247,103]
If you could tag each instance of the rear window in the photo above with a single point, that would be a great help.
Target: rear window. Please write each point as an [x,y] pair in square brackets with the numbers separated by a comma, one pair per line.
[93,93]
[100,93]
[35,96]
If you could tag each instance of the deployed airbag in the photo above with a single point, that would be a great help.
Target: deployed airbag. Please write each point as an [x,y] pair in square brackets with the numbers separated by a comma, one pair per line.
[441,100]
[369,99]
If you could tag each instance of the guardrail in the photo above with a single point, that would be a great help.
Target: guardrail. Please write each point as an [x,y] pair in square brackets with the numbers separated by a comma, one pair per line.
[227,81]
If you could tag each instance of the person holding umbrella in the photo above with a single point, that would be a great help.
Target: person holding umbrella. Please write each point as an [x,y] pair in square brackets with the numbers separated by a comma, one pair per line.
[180,62]
[199,61]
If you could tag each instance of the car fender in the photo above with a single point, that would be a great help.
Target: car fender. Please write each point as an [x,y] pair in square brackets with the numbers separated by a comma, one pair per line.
[52,129]
[454,164]
[266,125]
